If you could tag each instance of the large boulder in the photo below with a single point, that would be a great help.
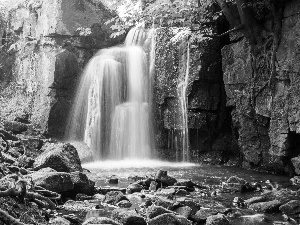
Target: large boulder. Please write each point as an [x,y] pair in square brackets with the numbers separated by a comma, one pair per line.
[154,211]
[163,177]
[82,184]
[291,207]
[53,181]
[218,219]
[113,197]
[62,157]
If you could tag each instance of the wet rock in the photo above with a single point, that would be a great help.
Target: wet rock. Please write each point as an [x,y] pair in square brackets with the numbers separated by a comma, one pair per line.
[283,195]
[135,187]
[113,197]
[73,219]
[99,197]
[295,180]
[166,203]
[62,157]
[218,219]
[54,181]
[128,217]
[32,146]
[112,180]
[182,192]
[256,199]
[164,178]
[193,205]
[267,207]
[82,184]
[153,186]
[15,127]
[154,211]
[82,197]
[59,221]
[124,204]
[186,183]
[184,211]
[247,188]
[100,220]
[296,164]
[24,161]
[292,207]
[84,152]
[235,179]
[169,218]
[105,190]
[202,214]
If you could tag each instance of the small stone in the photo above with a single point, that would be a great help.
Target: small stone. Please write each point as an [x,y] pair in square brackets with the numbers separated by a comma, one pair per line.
[113,180]
[124,204]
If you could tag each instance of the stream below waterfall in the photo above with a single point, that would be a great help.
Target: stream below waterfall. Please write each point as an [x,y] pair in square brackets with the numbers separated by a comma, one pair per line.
[211,176]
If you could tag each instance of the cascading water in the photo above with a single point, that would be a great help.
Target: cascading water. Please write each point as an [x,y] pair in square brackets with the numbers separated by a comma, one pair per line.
[113,107]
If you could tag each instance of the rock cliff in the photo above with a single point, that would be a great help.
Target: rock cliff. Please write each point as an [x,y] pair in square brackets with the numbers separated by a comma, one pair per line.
[48,44]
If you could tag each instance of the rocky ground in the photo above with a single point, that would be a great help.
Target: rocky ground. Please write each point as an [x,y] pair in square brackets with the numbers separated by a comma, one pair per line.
[42,182]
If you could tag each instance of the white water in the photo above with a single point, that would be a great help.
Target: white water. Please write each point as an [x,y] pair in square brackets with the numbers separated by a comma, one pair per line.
[112,107]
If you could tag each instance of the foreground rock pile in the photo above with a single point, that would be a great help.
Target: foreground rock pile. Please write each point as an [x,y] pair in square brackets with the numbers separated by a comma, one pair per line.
[43,182]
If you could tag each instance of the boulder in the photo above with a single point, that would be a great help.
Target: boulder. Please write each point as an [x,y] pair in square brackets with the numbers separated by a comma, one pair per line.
[15,127]
[59,221]
[164,178]
[124,204]
[169,218]
[235,179]
[184,211]
[113,197]
[62,157]
[128,217]
[135,187]
[218,219]
[266,207]
[202,214]
[291,207]
[296,164]
[100,220]
[166,203]
[82,184]
[154,211]
[53,181]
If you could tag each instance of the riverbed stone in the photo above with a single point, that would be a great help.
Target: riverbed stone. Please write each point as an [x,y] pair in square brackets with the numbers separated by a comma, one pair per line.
[100,220]
[154,211]
[204,213]
[169,218]
[124,204]
[266,207]
[218,219]
[82,184]
[164,178]
[59,221]
[184,211]
[164,202]
[15,127]
[62,157]
[134,187]
[53,181]
[291,207]
[128,217]
[113,197]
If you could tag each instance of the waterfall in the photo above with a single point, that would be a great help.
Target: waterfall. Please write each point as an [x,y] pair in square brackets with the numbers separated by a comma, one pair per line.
[112,111]
[182,87]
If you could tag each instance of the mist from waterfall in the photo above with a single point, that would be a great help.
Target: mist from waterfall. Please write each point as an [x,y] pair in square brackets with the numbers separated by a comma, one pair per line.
[113,104]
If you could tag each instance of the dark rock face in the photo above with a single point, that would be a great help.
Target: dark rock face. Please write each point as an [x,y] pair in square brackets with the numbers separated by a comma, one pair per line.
[128,217]
[60,157]
[113,197]
[267,125]
[54,41]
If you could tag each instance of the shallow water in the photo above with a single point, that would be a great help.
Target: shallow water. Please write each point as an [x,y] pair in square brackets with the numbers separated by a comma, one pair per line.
[211,175]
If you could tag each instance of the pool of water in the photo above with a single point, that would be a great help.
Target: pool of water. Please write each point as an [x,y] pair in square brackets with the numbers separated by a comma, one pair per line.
[210,175]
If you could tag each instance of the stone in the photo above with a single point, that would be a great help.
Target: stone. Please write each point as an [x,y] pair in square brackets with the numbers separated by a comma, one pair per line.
[296,164]
[169,218]
[100,220]
[135,187]
[235,179]
[154,211]
[15,127]
[24,161]
[266,207]
[124,204]
[184,211]
[218,219]
[291,207]
[113,197]
[204,213]
[186,183]
[112,180]
[82,197]
[164,178]
[160,201]
[59,221]
[193,205]
[256,199]
[62,157]
[127,217]
[84,152]
[53,181]
[82,184]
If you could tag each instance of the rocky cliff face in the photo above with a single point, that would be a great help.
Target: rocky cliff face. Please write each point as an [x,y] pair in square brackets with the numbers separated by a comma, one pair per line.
[49,42]
[268,130]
